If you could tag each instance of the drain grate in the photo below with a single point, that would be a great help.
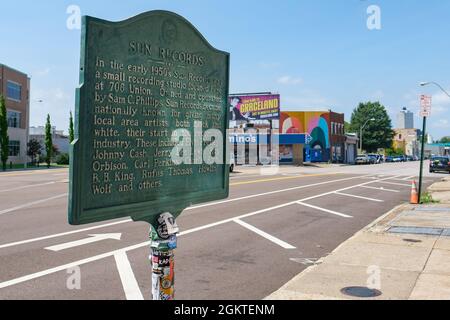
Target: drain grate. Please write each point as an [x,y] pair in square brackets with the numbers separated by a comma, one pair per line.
[361,292]
[415,230]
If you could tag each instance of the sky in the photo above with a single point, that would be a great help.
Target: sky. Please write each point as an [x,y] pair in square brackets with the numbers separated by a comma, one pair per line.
[317,54]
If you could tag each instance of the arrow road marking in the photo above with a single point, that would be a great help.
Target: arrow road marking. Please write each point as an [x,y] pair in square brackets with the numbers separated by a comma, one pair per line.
[93,238]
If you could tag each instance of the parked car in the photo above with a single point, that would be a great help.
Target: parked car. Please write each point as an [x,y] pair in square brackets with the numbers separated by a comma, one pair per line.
[373,158]
[363,159]
[440,164]
[398,159]
[389,159]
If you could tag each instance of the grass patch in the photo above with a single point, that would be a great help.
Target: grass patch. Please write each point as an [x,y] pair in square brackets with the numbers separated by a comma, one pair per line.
[427,198]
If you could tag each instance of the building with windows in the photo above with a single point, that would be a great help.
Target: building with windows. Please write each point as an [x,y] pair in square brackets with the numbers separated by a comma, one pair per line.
[405,119]
[407,140]
[60,140]
[15,88]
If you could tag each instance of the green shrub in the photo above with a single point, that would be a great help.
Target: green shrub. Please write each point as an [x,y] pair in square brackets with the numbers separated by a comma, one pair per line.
[63,159]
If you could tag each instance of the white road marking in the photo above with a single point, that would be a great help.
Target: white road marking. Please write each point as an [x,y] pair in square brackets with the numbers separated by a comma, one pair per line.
[28,186]
[274,192]
[381,189]
[359,197]
[263,234]
[69,265]
[129,282]
[36,275]
[30,204]
[92,238]
[190,208]
[63,234]
[408,178]
[395,183]
[324,210]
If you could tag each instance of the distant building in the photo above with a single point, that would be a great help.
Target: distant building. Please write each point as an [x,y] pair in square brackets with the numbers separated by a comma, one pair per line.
[15,88]
[407,140]
[60,140]
[405,119]
[437,149]
[351,148]
[325,131]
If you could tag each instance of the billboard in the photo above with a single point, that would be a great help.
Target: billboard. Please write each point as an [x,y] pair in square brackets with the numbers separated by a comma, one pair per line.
[254,107]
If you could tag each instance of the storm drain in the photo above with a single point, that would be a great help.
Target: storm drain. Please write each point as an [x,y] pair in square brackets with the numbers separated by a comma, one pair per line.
[361,292]
[417,230]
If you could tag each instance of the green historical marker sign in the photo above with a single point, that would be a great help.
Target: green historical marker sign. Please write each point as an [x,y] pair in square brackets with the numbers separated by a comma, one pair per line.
[150,110]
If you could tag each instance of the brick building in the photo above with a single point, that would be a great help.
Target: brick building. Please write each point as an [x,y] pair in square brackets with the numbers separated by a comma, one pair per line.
[15,88]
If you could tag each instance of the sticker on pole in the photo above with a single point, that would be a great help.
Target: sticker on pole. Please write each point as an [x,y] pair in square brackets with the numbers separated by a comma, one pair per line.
[425,106]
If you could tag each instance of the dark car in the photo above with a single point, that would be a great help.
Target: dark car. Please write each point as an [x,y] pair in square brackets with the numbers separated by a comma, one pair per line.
[440,164]
[373,158]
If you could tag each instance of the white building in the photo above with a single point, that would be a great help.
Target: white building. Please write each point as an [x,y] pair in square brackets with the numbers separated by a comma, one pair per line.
[60,140]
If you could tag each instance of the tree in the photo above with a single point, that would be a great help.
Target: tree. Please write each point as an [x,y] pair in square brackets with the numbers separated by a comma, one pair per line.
[347,127]
[445,140]
[48,142]
[34,149]
[71,131]
[4,138]
[377,134]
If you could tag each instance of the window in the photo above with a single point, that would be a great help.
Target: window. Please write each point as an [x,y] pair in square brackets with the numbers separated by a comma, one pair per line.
[14,91]
[14,148]
[13,119]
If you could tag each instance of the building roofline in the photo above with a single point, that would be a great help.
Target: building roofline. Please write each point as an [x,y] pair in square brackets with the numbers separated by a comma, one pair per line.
[15,70]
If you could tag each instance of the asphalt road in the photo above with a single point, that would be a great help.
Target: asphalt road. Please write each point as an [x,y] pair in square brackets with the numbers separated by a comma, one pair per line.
[245,247]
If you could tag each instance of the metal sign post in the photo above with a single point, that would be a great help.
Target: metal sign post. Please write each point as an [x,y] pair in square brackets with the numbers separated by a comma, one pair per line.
[425,104]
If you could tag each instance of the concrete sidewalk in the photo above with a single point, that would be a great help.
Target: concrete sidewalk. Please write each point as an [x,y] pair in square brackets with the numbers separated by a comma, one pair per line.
[405,255]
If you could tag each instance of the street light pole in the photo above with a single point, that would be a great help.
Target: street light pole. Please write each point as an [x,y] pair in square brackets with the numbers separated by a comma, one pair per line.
[361,134]
[423,84]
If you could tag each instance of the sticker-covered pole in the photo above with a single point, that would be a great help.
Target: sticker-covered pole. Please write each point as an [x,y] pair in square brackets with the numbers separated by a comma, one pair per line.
[163,238]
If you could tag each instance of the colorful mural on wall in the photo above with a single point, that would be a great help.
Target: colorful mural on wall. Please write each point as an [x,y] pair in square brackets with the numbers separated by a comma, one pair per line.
[316,124]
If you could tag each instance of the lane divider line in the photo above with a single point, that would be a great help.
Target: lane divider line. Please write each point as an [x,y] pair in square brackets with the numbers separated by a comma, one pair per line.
[28,186]
[275,192]
[188,209]
[30,204]
[263,234]
[43,273]
[284,178]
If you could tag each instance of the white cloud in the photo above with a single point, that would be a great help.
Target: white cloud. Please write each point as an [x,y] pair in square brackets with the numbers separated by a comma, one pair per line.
[288,80]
